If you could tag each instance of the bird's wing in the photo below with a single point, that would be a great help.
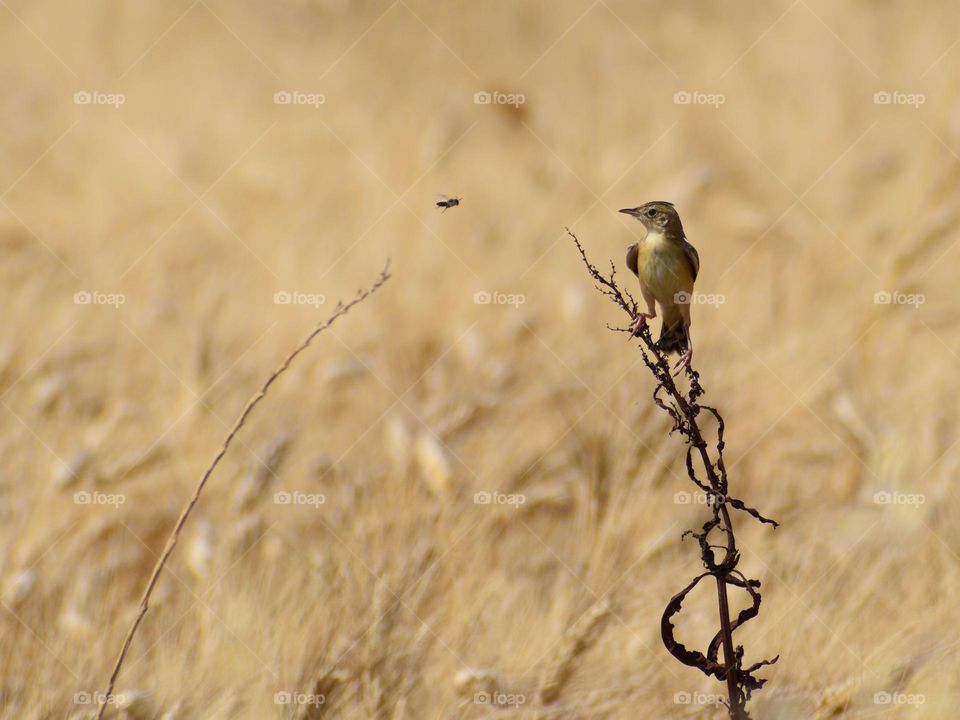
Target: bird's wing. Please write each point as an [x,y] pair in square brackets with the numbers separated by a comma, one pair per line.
[693,257]
[632,253]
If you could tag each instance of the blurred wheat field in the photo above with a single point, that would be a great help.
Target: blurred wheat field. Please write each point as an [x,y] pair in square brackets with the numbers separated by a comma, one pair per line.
[170,227]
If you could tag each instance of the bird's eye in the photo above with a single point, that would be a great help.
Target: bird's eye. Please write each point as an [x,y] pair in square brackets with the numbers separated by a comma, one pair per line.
[651,212]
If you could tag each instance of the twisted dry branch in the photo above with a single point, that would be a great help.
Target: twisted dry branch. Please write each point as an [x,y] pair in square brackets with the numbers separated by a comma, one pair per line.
[684,411]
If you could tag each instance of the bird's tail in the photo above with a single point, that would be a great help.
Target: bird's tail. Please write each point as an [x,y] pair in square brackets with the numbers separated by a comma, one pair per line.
[673,338]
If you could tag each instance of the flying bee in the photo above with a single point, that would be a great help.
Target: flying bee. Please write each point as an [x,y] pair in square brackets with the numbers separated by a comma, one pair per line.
[447,202]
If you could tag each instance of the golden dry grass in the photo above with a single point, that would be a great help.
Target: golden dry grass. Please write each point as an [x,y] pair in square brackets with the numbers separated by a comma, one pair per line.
[400,597]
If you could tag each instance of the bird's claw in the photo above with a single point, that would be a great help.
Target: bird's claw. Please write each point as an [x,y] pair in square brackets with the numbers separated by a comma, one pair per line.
[683,362]
[638,322]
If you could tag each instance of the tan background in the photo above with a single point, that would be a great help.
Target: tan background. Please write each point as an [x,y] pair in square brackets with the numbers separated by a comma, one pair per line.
[199,198]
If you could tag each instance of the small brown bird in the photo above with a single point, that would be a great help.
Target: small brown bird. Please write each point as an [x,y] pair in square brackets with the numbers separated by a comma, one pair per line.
[667,266]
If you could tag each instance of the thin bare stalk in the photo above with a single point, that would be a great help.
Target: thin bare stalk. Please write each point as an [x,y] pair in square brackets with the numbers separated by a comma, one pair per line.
[339,311]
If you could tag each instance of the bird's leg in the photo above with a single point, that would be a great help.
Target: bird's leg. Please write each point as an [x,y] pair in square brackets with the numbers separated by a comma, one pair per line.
[639,321]
[685,358]
[641,318]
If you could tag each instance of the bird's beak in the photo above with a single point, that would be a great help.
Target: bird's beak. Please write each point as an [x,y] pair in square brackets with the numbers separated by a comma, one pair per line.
[631,211]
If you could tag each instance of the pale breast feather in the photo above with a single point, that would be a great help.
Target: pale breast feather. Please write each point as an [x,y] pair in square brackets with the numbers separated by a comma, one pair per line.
[662,275]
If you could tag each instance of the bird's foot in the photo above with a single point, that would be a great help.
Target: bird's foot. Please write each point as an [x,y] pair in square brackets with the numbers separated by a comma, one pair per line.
[683,362]
[638,322]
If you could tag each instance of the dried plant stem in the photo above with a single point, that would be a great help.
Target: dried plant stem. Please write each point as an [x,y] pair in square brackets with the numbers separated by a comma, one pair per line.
[341,310]
[684,409]
[737,709]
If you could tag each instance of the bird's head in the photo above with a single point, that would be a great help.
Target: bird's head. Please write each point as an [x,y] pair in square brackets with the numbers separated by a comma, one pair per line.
[658,216]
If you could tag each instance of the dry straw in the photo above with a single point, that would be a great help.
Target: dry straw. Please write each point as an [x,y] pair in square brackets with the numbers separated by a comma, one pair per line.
[577,639]
[340,310]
